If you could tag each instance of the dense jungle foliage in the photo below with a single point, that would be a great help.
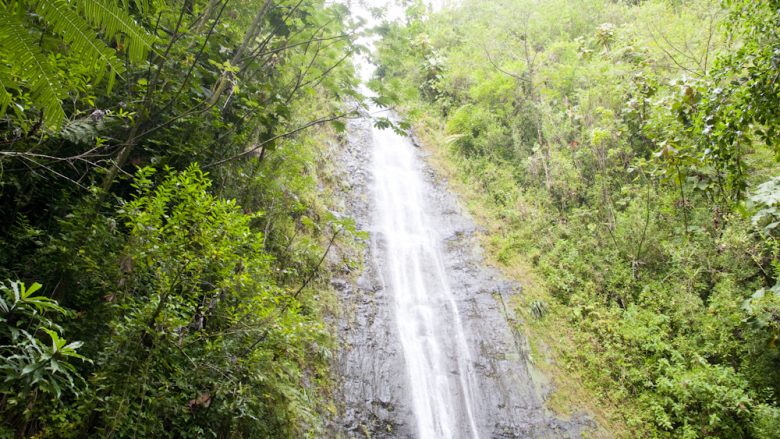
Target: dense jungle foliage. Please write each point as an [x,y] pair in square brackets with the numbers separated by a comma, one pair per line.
[627,150]
[164,231]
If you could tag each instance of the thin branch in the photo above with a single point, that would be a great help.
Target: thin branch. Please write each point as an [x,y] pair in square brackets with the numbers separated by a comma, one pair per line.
[294,45]
[316,81]
[56,173]
[670,56]
[297,292]
[316,269]
[513,75]
[197,58]
[279,136]
[261,47]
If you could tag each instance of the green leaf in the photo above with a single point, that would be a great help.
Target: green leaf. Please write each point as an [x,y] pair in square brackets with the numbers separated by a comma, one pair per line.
[29,291]
[31,64]
[29,368]
[76,32]
[339,126]
[5,96]
[113,20]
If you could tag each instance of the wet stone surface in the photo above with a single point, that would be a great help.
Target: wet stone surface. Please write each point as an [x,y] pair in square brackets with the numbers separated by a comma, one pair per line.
[370,360]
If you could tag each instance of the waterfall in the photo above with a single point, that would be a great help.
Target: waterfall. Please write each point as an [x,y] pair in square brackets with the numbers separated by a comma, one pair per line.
[435,350]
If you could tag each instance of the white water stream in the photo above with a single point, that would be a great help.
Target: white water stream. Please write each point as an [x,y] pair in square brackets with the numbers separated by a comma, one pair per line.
[435,350]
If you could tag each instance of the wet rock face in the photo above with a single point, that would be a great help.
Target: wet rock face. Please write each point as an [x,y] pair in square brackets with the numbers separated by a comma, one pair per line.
[510,393]
[370,361]
[505,395]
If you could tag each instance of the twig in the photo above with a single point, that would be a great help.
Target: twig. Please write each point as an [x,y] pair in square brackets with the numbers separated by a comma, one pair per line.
[516,76]
[297,293]
[279,136]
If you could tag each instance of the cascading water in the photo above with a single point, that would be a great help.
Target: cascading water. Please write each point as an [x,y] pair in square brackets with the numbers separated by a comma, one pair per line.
[435,350]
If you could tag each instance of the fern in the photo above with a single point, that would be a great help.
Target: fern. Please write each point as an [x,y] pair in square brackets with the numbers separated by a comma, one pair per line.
[113,20]
[143,6]
[29,62]
[80,131]
[5,96]
[76,32]
[24,61]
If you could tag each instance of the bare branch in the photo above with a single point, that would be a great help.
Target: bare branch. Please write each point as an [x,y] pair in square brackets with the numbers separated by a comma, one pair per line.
[672,58]
[279,136]
[513,75]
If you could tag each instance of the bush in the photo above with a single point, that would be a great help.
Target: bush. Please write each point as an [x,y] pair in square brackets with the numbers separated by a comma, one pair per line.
[36,362]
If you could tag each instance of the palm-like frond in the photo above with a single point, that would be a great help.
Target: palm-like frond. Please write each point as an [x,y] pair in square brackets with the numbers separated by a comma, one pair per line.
[143,6]
[108,16]
[76,32]
[28,61]
[22,59]
[5,96]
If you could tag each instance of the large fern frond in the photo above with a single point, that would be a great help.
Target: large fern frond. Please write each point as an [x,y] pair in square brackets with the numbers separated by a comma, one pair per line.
[83,41]
[24,61]
[113,20]
[143,6]
[31,64]
[5,96]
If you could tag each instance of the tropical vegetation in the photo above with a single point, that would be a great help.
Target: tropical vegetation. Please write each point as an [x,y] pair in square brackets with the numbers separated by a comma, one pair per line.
[164,225]
[623,157]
